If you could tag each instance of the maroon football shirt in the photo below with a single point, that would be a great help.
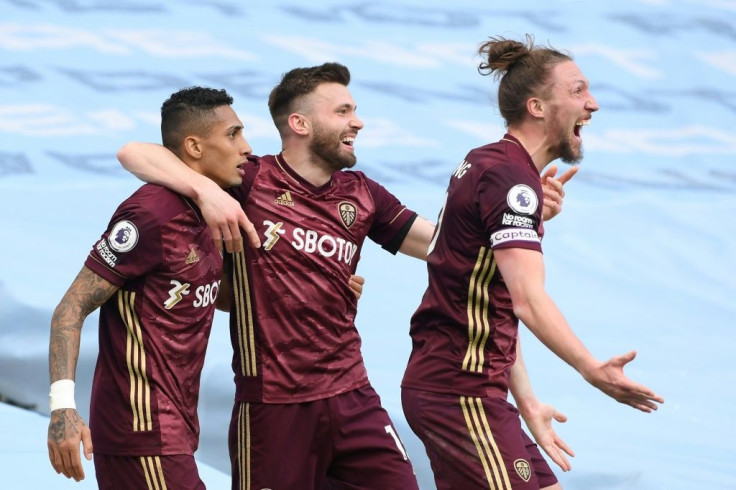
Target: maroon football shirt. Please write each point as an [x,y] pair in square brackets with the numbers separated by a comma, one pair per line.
[154,330]
[292,316]
[464,331]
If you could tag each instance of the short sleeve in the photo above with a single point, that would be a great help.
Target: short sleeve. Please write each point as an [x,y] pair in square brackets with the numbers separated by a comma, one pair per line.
[130,247]
[392,219]
[510,204]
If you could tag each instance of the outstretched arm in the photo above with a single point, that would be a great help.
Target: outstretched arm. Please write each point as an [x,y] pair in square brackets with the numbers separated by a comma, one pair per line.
[537,415]
[66,427]
[523,273]
[155,164]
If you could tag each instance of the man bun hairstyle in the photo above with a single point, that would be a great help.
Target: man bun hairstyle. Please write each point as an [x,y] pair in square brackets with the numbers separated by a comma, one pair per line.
[524,70]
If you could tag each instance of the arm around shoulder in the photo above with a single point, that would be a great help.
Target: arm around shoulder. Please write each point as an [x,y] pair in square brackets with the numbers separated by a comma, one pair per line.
[156,164]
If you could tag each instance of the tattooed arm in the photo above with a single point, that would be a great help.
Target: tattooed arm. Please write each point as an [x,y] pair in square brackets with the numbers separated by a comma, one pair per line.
[67,428]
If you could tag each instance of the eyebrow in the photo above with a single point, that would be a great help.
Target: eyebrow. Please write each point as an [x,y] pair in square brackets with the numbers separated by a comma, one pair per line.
[578,82]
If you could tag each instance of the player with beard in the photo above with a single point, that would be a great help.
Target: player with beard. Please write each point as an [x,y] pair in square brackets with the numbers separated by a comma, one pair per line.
[305,414]
[486,272]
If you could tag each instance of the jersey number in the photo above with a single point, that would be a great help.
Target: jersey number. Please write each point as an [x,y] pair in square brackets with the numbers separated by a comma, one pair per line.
[439,224]
[390,430]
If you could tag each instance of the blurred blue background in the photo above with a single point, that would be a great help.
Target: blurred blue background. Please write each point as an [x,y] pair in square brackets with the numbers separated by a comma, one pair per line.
[643,256]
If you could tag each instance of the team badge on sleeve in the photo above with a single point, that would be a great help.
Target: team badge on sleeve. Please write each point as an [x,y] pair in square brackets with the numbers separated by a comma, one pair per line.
[123,236]
[522,199]
[348,212]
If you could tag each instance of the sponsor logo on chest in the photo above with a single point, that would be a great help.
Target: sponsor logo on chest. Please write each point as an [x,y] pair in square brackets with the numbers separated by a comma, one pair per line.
[204,296]
[309,241]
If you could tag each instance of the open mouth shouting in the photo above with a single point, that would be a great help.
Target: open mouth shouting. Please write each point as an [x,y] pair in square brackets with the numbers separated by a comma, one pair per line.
[579,126]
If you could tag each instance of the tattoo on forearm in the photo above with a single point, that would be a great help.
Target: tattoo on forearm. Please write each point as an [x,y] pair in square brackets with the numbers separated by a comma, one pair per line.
[87,293]
[63,351]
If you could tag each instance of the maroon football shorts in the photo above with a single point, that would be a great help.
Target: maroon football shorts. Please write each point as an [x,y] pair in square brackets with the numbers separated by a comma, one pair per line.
[342,442]
[475,442]
[178,472]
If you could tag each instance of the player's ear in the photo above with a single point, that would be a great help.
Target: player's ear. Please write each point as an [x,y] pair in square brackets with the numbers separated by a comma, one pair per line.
[535,107]
[193,147]
[299,124]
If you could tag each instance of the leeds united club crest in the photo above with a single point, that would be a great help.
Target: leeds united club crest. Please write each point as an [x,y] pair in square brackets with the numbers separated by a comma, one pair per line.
[523,469]
[348,212]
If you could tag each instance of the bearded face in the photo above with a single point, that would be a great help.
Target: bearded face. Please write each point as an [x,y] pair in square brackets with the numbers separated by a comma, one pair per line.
[567,146]
[571,106]
[570,151]
[329,145]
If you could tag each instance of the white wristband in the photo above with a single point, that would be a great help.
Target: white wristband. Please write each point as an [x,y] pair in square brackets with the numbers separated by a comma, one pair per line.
[62,395]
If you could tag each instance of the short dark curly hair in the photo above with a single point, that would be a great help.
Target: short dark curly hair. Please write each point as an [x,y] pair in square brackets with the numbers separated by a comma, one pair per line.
[190,111]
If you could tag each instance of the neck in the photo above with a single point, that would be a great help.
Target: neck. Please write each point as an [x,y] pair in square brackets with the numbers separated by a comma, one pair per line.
[307,166]
[535,142]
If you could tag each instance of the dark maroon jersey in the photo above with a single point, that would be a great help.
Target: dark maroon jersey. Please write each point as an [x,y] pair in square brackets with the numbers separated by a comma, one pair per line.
[292,315]
[154,330]
[464,331]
